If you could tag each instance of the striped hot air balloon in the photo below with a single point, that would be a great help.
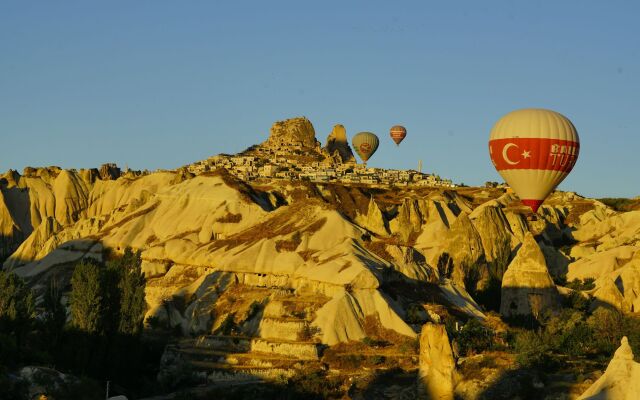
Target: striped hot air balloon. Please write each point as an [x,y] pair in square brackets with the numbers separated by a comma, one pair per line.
[534,150]
[365,144]
[398,133]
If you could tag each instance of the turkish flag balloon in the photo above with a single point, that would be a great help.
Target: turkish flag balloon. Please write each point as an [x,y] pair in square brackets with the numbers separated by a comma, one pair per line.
[398,133]
[534,150]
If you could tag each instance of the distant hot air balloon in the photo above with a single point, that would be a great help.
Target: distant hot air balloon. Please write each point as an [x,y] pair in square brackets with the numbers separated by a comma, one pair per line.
[398,133]
[534,150]
[365,144]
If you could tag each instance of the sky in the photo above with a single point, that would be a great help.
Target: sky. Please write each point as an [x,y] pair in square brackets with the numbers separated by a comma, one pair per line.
[160,84]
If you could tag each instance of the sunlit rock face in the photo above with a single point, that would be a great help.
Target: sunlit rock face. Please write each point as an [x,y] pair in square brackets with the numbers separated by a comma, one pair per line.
[620,381]
[436,374]
[337,142]
[527,287]
[294,131]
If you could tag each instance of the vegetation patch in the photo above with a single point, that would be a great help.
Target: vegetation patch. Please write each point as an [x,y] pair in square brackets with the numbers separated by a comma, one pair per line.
[379,248]
[230,218]
[620,203]
[289,244]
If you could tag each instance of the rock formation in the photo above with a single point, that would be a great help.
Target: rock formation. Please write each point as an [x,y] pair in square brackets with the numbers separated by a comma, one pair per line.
[109,172]
[495,233]
[463,247]
[436,374]
[620,381]
[527,287]
[292,132]
[374,220]
[337,141]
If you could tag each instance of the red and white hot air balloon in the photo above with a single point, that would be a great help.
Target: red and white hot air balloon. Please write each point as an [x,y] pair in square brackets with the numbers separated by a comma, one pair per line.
[534,150]
[398,133]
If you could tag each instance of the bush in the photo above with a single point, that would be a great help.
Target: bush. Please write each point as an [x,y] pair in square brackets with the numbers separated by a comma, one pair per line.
[230,218]
[578,302]
[315,385]
[617,203]
[474,338]
[532,351]
[308,333]
[377,359]
[374,342]
[586,284]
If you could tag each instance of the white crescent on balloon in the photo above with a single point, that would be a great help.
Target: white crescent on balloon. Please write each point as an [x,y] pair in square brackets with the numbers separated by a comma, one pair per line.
[505,149]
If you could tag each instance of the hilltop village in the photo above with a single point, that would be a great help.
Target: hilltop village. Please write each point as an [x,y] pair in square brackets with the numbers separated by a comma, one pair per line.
[293,153]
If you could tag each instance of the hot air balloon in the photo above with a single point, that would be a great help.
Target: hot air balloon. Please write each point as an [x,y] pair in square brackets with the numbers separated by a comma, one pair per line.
[534,150]
[398,133]
[365,144]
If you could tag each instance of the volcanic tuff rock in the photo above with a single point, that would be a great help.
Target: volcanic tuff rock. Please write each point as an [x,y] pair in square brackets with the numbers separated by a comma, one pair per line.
[407,220]
[109,172]
[527,287]
[621,287]
[337,141]
[436,375]
[374,221]
[620,381]
[294,131]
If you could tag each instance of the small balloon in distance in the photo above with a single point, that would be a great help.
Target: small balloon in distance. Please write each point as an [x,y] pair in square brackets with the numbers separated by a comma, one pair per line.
[398,133]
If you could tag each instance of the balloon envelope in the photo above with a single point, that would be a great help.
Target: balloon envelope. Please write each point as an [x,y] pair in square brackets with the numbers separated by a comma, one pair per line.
[398,133]
[534,150]
[365,144]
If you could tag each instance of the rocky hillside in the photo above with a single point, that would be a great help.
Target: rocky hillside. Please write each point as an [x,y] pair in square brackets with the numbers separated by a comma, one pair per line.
[266,277]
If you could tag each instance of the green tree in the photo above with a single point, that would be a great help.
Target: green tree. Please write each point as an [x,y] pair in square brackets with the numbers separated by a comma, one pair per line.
[54,316]
[131,285]
[87,297]
[17,306]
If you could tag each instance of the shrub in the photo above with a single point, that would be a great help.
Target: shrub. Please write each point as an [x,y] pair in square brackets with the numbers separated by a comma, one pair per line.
[617,203]
[586,284]
[532,351]
[290,244]
[474,338]
[374,342]
[230,218]
[308,333]
[377,359]
[577,301]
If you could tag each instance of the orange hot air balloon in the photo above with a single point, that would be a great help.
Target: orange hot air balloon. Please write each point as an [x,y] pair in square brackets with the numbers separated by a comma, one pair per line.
[534,150]
[398,133]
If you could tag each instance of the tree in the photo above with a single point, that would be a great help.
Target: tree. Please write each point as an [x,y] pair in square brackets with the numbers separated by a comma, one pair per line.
[17,306]
[87,297]
[131,285]
[55,313]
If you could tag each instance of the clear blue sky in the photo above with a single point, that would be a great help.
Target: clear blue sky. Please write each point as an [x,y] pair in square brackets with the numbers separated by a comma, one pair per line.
[159,84]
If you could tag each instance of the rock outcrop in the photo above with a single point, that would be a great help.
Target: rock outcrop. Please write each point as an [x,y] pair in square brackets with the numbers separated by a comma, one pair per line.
[620,288]
[374,220]
[527,287]
[292,132]
[109,171]
[620,381]
[337,142]
[436,374]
